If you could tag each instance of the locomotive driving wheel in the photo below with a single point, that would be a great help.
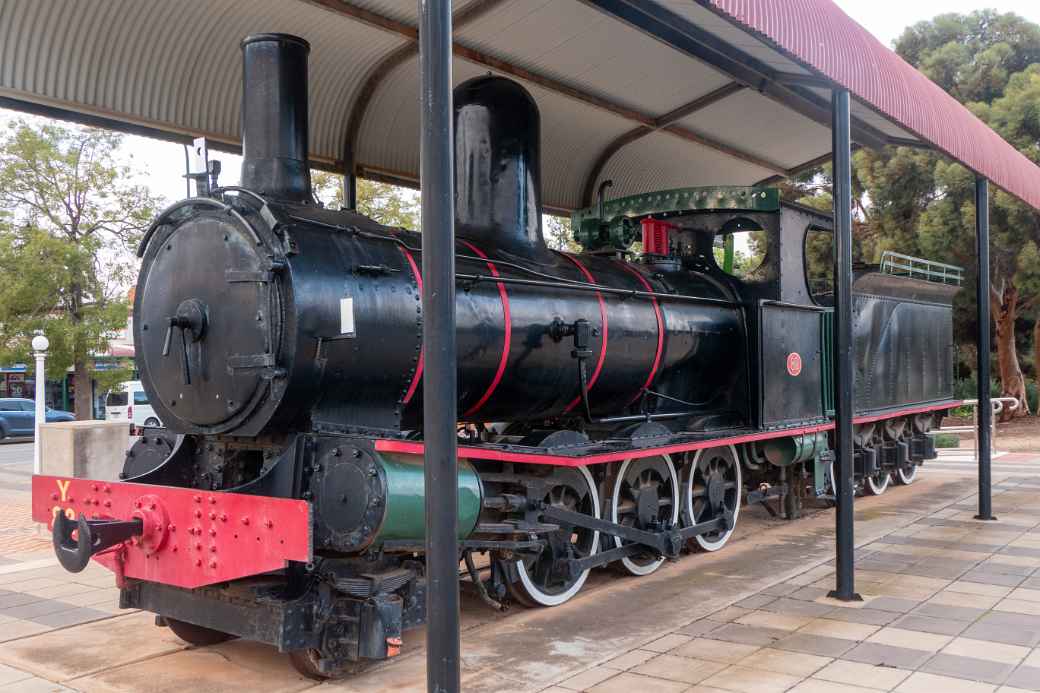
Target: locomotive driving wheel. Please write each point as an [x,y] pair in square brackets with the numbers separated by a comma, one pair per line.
[713,488]
[308,663]
[877,483]
[646,496]
[541,580]
[906,473]
[198,636]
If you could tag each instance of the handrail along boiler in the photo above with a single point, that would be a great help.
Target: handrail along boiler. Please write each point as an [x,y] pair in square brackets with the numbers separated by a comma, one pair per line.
[617,408]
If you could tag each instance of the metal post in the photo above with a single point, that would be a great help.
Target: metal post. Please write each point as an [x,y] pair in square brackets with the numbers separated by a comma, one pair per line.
[436,184]
[841,143]
[39,345]
[350,190]
[984,408]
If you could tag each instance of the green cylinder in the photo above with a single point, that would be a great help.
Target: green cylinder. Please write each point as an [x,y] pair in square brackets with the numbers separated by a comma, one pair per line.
[405,515]
[786,451]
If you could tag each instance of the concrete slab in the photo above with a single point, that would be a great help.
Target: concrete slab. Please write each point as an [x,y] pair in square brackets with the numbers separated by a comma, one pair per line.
[232,667]
[72,652]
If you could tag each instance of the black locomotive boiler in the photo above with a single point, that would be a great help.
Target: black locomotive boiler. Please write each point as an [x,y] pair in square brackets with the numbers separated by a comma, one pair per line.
[615,407]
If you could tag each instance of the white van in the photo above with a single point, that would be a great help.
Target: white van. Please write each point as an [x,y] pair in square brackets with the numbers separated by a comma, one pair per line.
[128,402]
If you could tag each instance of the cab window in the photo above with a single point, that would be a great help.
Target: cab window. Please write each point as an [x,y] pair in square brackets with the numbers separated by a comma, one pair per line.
[819,265]
[741,250]
[140,397]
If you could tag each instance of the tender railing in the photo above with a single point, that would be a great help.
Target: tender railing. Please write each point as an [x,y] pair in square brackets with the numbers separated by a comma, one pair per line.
[998,404]
[918,268]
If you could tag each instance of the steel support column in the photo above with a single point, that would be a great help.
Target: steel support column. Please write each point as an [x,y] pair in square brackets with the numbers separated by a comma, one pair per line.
[350,190]
[985,410]
[436,183]
[841,146]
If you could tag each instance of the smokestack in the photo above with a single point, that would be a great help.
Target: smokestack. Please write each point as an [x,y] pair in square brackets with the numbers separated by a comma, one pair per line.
[274,116]
[498,182]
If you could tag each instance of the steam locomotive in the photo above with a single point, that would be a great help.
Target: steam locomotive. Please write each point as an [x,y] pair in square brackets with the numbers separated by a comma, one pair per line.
[616,407]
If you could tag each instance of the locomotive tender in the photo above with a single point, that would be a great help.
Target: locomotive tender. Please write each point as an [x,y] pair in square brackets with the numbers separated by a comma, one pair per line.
[616,408]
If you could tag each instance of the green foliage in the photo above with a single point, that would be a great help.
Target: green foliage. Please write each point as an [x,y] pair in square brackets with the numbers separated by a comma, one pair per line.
[558,236]
[387,204]
[971,56]
[109,378]
[920,203]
[744,262]
[946,440]
[965,388]
[69,220]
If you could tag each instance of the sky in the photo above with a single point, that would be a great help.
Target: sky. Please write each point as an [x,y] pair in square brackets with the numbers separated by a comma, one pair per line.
[160,165]
[886,19]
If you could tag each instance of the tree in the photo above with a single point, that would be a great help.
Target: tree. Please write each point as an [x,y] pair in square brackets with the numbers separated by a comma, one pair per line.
[558,234]
[70,219]
[916,202]
[387,204]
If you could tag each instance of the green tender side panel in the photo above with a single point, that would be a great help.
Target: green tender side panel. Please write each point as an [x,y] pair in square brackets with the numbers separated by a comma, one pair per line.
[683,200]
[827,360]
[405,517]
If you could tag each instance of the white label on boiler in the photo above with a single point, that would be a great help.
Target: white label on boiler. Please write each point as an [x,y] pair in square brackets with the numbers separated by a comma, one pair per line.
[346,316]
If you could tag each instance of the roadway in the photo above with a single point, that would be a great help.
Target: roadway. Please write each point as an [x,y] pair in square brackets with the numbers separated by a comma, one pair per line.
[16,461]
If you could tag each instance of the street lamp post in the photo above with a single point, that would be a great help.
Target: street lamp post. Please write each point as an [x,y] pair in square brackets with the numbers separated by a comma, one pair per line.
[39,345]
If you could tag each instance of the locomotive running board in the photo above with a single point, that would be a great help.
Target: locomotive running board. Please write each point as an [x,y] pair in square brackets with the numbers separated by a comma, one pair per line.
[577,459]
[186,537]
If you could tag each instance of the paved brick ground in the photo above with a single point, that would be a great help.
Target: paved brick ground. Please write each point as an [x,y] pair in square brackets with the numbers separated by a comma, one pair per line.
[951,604]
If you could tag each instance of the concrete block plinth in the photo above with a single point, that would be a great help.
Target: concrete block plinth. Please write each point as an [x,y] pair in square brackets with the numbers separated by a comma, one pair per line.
[84,449]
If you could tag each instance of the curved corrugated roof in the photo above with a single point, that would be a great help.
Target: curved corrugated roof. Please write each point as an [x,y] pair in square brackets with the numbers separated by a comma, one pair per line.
[848,54]
[649,93]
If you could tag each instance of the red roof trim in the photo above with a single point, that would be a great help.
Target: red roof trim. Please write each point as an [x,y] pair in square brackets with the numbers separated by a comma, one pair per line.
[819,35]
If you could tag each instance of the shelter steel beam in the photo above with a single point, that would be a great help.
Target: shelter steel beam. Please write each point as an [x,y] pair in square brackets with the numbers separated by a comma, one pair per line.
[436,183]
[984,409]
[841,144]
[679,33]
[505,67]
[626,138]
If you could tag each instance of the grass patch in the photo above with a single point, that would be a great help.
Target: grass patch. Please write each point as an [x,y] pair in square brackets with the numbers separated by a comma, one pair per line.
[946,440]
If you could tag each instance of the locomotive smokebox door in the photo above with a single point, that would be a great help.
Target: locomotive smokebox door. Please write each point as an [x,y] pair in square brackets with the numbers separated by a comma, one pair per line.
[208,345]
[790,376]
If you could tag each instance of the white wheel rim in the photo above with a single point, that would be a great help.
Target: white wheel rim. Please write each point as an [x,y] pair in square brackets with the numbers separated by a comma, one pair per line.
[702,540]
[908,474]
[533,591]
[630,565]
[878,486]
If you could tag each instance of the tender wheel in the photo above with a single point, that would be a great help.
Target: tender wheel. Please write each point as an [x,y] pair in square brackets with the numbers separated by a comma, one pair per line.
[199,636]
[306,663]
[877,484]
[713,486]
[537,583]
[646,496]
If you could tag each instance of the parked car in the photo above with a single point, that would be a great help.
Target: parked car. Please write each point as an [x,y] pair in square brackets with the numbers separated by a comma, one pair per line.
[129,402]
[18,417]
